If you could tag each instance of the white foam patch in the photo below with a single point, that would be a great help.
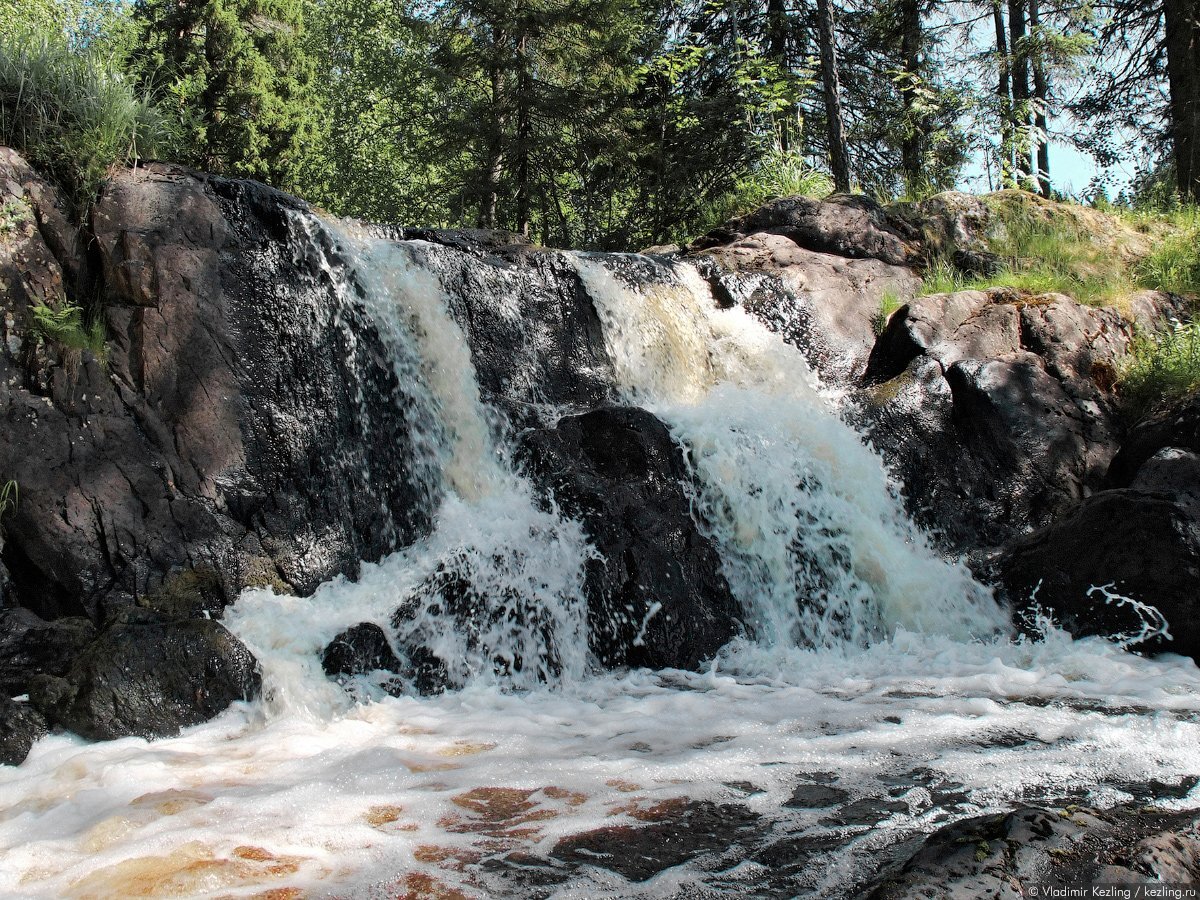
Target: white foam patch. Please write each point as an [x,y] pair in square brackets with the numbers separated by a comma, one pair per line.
[1007,722]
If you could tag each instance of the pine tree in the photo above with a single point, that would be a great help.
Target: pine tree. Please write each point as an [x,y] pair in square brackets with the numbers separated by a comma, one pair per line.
[238,75]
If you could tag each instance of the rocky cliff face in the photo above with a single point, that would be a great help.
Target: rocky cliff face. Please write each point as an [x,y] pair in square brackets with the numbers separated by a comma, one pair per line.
[251,421]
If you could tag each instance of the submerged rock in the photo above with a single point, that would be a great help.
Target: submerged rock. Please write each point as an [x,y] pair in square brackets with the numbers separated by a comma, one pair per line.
[147,677]
[656,596]
[674,834]
[1005,854]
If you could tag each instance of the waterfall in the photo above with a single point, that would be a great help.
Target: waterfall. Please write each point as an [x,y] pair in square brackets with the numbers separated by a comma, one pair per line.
[496,591]
[815,543]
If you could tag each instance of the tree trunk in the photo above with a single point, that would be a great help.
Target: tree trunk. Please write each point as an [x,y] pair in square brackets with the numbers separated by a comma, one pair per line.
[524,132]
[1041,96]
[777,50]
[839,156]
[1022,151]
[1182,20]
[914,130]
[1003,96]
[494,167]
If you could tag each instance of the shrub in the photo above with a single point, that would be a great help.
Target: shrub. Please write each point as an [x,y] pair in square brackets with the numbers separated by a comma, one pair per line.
[70,113]
[778,175]
[1161,368]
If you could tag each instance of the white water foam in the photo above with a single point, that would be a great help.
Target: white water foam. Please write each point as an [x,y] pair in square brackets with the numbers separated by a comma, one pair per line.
[314,791]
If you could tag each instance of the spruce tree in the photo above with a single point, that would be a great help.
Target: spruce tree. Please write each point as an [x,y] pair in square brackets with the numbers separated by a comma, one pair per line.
[238,75]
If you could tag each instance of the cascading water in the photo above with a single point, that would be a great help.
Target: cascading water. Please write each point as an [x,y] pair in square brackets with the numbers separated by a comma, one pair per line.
[815,544]
[874,671]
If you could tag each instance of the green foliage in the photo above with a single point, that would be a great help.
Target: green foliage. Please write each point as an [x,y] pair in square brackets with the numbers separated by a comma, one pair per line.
[777,175]
[71,113]
[238,75]
[67,327]
[14,215]
[888,304]
[1161,368]
[1174,263]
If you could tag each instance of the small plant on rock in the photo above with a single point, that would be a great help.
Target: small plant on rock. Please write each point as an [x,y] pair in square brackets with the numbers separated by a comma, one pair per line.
[1161,368]
[888,304]
[67,328]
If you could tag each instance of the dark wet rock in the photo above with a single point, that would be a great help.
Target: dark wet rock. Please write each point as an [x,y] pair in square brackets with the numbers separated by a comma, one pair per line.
[851,226]
[639,852]
[996,410]
[866,811]
[143,676]
[222,442]
[1175,428]
[798,852]
[1173,473]
[823,304]
[535,337]
[816,796]
[359,650]
[1004,855]
[453,597]
[20,727]
[656,597]
[1142,546]
[31,646]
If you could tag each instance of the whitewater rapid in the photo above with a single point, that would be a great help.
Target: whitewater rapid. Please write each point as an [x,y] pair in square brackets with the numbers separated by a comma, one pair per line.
[871,667]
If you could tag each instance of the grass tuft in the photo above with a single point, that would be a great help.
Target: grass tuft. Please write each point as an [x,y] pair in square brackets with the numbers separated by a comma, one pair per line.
[1174,263]
[1161,368]
[888,304]
[1043,253]
[72,114]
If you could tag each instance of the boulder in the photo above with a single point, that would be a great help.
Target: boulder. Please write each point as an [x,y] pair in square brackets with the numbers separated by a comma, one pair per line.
[221,440]
[823,304]
[20,727]
[535,338]
[31,646]
[996,409]
[656,595]
[358,650]
[1007,855]
[148,677]
[848,225]
[1125,565]
[1175,427]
